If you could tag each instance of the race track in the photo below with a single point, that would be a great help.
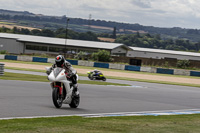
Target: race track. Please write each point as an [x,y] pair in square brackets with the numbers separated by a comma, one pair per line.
[30,99]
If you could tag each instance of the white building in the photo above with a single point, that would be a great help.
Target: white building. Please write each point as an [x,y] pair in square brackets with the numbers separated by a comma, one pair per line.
[162,54]
[25,44]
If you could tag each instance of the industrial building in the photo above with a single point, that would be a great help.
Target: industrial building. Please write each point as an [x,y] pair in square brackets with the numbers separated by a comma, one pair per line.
[28,44]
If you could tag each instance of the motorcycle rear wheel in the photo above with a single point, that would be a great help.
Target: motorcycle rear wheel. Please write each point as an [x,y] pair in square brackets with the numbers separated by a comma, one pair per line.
[57,99]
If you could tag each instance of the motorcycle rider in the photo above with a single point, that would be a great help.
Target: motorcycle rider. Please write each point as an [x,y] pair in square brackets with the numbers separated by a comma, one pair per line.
[95,72]
[61,62]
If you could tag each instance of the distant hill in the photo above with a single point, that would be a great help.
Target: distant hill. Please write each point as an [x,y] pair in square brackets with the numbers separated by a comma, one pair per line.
[12,13]
[25,18]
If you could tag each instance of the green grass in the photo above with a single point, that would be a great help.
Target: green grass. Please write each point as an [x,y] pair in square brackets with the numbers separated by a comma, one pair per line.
[118,78]
[25,69]
[23,77]
[29,77]
[135,124]
[7,23]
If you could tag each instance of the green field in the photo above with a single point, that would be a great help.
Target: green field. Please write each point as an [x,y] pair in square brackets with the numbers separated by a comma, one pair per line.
[131,124]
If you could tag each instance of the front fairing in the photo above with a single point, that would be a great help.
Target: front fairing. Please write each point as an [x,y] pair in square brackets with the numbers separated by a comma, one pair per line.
[58,74]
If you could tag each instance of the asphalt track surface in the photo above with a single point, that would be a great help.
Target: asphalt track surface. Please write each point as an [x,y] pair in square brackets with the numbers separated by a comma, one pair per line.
[32,99]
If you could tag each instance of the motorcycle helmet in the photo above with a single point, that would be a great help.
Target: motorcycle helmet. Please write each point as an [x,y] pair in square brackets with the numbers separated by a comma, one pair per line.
[60,60]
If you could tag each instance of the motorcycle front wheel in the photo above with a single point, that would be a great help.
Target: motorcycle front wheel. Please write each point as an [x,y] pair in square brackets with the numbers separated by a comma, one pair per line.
[57,98]
[75,101]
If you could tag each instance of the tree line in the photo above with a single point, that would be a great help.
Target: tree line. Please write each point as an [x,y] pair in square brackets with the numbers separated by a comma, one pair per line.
[181,33]
[59,33]
[155,41]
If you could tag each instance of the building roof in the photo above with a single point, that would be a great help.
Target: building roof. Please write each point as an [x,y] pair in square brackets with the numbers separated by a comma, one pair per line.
[165,51]
[59,41]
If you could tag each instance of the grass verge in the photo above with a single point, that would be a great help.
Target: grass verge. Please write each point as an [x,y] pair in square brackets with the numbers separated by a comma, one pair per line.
[29,77]
[137,124]
[118,78]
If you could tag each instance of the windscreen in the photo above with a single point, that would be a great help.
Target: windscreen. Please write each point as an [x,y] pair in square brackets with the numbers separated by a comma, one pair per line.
[57,70]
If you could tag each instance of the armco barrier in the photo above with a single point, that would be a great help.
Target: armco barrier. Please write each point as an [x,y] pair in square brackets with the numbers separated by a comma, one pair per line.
[38,59]
[101,65]
[165,71]
[1,69]
[2,57]
[10,57]
[73,62]
[25,58]
[85,63]
[132,68]
[194,73]
[116,66]
[181,72]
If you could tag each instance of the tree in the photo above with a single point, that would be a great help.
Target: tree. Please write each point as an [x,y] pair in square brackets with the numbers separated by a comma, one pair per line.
[81,55]
[16,30]
[102,55]
[183,64]
[47,32]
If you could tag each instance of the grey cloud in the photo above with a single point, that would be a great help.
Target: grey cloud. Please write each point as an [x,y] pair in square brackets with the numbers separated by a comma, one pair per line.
[142,3]
[90,8]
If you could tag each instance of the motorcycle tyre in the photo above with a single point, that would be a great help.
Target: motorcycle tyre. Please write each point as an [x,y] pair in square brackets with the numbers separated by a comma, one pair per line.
[75,101]
[104,79]
[92,78]
[55,96]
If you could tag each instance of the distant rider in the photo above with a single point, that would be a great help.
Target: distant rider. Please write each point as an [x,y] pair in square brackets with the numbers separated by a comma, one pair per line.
[96,72]
[61,62]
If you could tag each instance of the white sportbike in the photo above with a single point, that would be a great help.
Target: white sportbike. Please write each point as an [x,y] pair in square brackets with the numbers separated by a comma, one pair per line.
[62,88]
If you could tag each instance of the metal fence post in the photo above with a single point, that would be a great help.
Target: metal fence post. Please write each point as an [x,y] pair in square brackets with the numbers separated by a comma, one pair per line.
[1,69]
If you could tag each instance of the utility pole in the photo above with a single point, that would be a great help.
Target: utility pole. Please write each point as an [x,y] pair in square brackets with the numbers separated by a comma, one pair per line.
[89,22]
[66,38]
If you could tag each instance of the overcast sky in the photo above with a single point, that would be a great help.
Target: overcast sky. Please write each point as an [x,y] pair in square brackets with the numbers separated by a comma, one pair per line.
[158,13]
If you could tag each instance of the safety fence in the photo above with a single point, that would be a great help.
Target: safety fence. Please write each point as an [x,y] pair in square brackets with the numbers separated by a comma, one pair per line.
[106,65]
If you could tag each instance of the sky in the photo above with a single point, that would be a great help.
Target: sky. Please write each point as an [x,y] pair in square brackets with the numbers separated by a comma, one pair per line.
[158,13]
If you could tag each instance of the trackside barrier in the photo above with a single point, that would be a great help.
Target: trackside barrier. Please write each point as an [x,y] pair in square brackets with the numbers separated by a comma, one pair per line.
[116,66]
[101,65]
[1,69]
[2,57]
[25,58]
[132,68]
[165,71]
[194,73]
[181,72]
[148,69]
[73,62]
[38,59]
[85,63]
[10,57]
[51,60]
